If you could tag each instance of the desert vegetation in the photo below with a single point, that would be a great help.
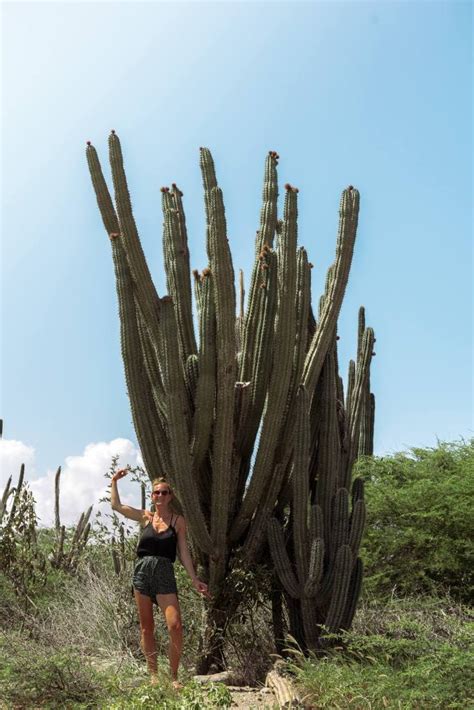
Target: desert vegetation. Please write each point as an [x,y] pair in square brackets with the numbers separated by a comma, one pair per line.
[69,633]
[352,569]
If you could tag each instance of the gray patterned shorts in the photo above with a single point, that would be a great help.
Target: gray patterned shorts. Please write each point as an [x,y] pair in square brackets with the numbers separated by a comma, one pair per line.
[154,575]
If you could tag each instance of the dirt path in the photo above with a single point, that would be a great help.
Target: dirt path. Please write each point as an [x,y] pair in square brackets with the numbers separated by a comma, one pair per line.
[253,698]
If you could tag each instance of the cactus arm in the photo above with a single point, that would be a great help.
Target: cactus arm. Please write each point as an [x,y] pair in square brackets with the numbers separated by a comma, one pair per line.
[104,201]
[185,275]
[137,387]
[357,398]
[6,494]
[310,626]
[57,521]
[17,491]
[357,490]
[340,521]
[371,420]
[328,457]
[263,351]
[349,210]
[301,484]
[303,299]
[176,253]
[342,578]
[357,526]
[256,534]
[280,558]
[145,290]
[191,376]
[177,405]
[222,269]
[350,384]
[315,568]
[281,372]
[209,182]
[316,522]
[353,594]
[239,331]
[151,437]
[206,385]
[360,331]
[151,360]
[264,239]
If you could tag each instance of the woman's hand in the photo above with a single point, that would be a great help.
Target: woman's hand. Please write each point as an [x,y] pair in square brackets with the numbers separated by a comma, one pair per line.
[119,474]
[201,587]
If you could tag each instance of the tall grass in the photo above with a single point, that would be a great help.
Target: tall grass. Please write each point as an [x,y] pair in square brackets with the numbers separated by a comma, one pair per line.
[406,653]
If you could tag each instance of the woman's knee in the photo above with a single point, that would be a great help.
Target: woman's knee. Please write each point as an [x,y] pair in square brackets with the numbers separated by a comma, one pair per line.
[175,625]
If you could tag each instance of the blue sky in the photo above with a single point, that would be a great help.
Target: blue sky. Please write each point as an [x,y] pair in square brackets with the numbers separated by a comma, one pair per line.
[373,94]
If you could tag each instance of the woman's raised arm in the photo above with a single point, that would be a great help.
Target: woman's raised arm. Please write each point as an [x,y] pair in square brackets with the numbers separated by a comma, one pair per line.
[141,516]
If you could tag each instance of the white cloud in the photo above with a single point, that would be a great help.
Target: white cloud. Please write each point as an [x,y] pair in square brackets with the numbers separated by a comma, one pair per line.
[82,481]
[12,454]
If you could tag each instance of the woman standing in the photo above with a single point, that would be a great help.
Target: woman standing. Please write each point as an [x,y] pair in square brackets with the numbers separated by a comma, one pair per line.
[153,579]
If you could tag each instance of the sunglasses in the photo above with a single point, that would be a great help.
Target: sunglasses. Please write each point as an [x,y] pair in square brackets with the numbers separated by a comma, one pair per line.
[160,493]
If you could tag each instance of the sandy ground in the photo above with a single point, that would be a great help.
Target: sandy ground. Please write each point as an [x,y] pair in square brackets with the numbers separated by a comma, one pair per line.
[257,698]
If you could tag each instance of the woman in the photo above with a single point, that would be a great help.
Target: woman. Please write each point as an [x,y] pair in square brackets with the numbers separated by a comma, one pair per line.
[153,578]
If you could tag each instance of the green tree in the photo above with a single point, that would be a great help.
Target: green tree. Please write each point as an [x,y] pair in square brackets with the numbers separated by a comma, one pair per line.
[419,526]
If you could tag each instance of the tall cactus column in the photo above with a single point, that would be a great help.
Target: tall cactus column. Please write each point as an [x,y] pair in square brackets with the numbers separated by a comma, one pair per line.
[253,411]
[316,557]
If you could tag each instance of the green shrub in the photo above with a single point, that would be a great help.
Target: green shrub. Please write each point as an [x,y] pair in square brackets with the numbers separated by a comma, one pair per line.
[407,654]
[32,674]
[419,521]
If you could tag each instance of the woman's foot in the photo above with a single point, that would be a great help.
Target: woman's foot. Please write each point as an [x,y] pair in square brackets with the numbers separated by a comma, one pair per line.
[154,679]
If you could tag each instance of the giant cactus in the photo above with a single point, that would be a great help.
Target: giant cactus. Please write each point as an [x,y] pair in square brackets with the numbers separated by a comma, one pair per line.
[217,415]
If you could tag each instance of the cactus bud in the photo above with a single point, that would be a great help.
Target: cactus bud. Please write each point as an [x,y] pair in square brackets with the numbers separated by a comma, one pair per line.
[374,354]
[88,143]
[114,235]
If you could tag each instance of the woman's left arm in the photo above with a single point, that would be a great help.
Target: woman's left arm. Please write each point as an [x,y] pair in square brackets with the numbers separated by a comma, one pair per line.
[185,557]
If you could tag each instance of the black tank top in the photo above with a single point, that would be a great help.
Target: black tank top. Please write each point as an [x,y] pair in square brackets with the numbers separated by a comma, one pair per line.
[162,544]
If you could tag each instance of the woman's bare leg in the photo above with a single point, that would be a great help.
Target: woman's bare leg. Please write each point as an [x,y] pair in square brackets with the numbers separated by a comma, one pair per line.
[147,628]
[169,605]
